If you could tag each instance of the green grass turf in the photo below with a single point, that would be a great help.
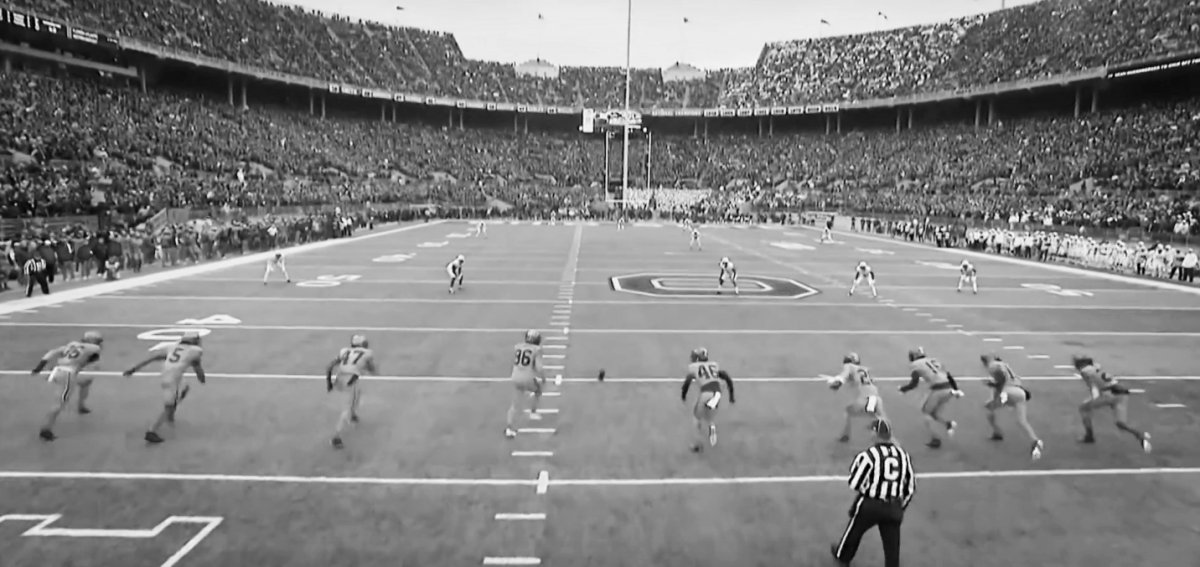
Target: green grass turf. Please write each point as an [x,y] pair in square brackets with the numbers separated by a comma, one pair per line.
[614,430]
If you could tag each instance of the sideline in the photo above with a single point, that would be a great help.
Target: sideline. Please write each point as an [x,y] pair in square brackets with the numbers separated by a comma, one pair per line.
[1026,263]
[76,294]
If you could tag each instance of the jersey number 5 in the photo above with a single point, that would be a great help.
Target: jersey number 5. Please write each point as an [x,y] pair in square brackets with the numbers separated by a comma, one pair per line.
[524,357]
[176,354]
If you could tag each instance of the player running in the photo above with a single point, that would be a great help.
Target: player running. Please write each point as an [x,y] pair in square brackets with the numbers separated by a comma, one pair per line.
[1007,391]
[728,270]
[942,388]
[352,363]
[695,243]
[68,360]
[866,402]
[827,232]
[863,272]
[276,263]
[1105,393]
[704,414]
[455,270]
[176,362]
[480,229]
[528,376]
[966,274]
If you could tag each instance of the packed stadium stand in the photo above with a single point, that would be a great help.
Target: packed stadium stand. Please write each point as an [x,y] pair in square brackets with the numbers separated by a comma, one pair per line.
[70,138]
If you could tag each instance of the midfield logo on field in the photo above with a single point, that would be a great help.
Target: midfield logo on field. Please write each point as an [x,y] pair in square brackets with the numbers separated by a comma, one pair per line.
[693,285]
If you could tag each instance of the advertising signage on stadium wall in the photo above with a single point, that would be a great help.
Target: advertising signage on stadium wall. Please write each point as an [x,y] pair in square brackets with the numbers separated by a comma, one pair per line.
[1188,62]
[40,24]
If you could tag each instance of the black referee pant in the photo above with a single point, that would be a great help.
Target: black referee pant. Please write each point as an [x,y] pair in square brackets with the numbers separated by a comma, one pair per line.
[37,278]
[865,514]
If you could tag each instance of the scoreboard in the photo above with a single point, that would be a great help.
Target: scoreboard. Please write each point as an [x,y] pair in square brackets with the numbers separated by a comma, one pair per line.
[610,120]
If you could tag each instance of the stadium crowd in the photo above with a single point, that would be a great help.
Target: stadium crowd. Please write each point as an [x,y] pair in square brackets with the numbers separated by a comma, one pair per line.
[1031,41]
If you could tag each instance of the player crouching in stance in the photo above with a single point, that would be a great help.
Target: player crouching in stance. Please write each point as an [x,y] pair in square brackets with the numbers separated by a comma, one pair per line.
[351,363]
[866,402]
[704,414]
[695,243]
[528,376]
[942,388]
[863,272]
[728,270]
[1007,391]
[276,263]
[966,274]
[69,360]
[1105,393]
[176,362]
[455,270]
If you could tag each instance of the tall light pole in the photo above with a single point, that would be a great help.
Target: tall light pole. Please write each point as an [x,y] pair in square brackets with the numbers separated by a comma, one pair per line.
[625,127]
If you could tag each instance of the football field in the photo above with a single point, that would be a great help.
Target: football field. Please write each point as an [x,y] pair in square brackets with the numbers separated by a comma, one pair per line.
[248,476]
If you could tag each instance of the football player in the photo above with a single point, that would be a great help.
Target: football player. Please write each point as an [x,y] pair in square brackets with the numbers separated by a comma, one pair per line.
[827,232]
[621,221]
[966,274]
[184,355]
[1105,392]
[728,270]
[455,270]
[863,272]
[480,229]
[942,389]
[276,263]
[351,363]
[708,374]
[1007,391]
[866,401]
[68,360]
[528,376]
[695,243]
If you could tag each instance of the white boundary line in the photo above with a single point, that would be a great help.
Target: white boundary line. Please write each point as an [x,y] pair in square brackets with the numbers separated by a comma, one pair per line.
[1026,263]
[894,332]
[511,561]
[188,271]
[637,302]
[43,529]
[544,480]
[627,380]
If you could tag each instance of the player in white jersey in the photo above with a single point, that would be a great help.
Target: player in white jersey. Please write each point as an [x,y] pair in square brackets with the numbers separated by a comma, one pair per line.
[68,360]
[455,270]
[695,243]
[480,229]
[343,375]
[276,263]
[827,232]
[866,401]
[728,271]
[621,221]
[176,361]
[966,274]
[687,225]
[528,376]
[863,272]
[708,374]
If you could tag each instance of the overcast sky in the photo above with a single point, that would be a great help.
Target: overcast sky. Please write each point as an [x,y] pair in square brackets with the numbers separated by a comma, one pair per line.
[592,32]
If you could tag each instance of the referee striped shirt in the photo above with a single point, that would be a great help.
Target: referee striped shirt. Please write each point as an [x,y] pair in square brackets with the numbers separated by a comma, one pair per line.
[883,471]
[34,266]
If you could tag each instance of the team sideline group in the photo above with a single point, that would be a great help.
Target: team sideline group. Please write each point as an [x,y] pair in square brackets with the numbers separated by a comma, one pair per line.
[528,376]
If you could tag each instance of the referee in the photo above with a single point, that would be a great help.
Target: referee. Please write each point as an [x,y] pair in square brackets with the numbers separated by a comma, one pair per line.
[35,273]
[885,481]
